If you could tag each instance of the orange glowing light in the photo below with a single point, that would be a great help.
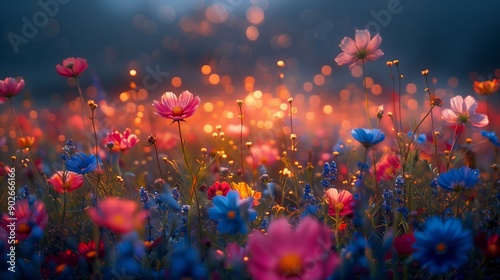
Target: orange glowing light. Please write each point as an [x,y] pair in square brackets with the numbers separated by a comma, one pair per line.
[33,114]
[206,69]
[326,70]
[308,86]
[208,107]
[327,109]
[376,89]
[208,128]
[319,80]
[255,15]
[214,79]
[124,96]
[411,88]
[133,85]
[314,100]
[280,63]
[252,33]
[132,72]
[412,104]
[176,82]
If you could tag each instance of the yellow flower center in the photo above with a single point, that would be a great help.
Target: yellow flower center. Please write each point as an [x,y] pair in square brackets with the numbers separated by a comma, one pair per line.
[24,229]
[118,219]
[60,268]
[290,264]
[91,254]
[441,248]
[339,206]
[219,192]
[177,110]
[231,214]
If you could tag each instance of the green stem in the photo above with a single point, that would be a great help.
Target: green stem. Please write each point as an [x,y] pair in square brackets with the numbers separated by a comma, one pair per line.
[158,161]
[407,153]
[186,162]
[366,96]
[15,117]
[81,101]
[457,133]
[434,138]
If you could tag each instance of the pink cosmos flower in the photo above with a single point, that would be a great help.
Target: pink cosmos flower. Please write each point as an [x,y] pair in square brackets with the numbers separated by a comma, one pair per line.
[387,166]
[123,141]
[27,217]
[72,67]
[10,87]
[176,108]
[354,52]
[340,203]
[67,181]
[120,216]
[463,111]
[278,255]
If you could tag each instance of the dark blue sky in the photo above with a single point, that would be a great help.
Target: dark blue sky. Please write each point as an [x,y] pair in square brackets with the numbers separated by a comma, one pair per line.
[451,38]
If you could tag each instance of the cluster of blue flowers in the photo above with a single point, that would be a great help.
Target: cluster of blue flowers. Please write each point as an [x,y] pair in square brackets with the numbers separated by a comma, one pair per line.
[400,196]
[329,175]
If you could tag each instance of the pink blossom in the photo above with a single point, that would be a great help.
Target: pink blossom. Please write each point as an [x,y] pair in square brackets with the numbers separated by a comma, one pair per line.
[10,87]
[339,202]
[278,255]
[27,217]
[177,108]
[72,67]
[463,111]
[120,216]
[66,181]
[123,141]
[362,48]
[387,166]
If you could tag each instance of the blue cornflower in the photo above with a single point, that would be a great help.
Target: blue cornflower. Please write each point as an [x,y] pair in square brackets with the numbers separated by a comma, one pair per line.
[492,136]
[458,179]
[442,245]
[81,163]
[420,138]
[232,213]
[186,263]
[368,137]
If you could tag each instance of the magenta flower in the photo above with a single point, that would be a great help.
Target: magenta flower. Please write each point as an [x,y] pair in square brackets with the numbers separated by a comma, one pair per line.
[10,87]
[362,48]
[463,111]
[339,202]
[72,67]
[123,141]
[278,255]
[176,108]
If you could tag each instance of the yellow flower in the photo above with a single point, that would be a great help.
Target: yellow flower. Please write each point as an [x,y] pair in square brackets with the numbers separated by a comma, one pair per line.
[487,87]
[246,191]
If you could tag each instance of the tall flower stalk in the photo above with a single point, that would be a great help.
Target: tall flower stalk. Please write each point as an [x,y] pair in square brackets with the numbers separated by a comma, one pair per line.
[355,52]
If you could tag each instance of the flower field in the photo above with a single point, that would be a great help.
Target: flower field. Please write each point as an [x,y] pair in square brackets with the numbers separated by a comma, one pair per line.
[369,182]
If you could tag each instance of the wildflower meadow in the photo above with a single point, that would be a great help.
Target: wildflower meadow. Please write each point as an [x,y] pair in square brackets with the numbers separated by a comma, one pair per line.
[377,180]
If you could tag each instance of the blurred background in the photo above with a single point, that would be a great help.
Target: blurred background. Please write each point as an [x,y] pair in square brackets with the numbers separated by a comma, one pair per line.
[260,51]
[242,38]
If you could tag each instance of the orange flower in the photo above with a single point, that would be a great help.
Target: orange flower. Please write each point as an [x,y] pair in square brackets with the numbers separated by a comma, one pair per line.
[120,216]
[66,181]
[487,87]
[246,191]
[26,142]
